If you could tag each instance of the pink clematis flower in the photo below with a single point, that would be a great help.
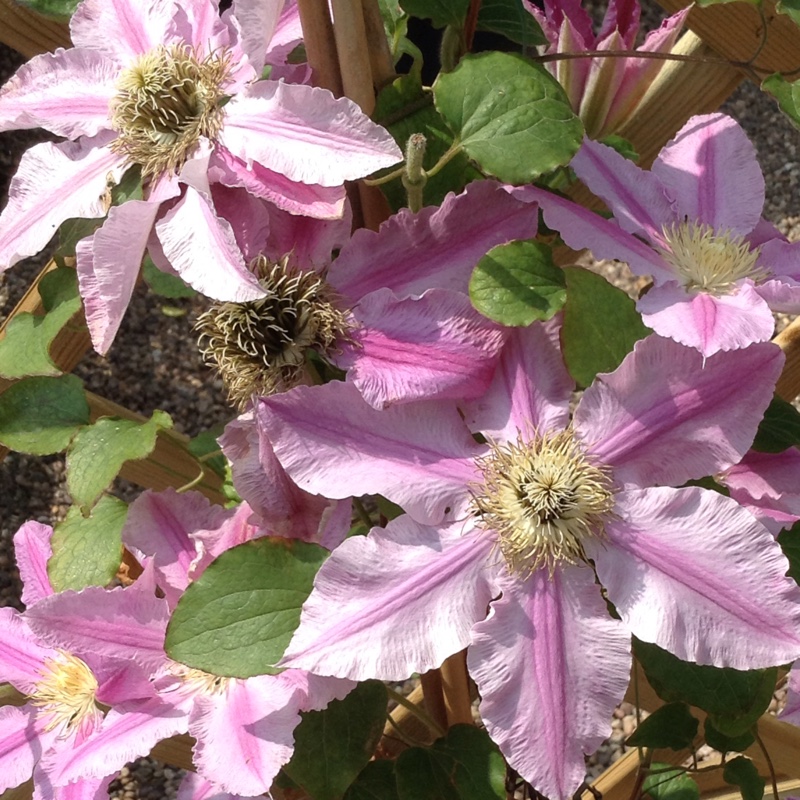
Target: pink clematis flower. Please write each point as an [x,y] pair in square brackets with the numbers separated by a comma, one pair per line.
[604,92]
[68,694]
[172,88]
[526,525]
[243,727]
[393,307]
[693,222]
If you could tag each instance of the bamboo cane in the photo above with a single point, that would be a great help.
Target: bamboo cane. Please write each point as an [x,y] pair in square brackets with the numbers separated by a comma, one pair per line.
[30,33]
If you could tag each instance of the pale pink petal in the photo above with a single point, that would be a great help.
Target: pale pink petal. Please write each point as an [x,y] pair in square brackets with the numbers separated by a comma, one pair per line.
[791,711]
[768,485]
[781,295]
[710,169]
[309,242]
[331,442]
[198,24]
[306,134]
[398,601]
[667,415]
[20,744]
[551,664]
[707,322]
[159,525]
[320,690]
[55,182]
[118,623]
[249,217]
[437,247]
[260,480]
[195,787]
[571,38]
[635,196]
[122,29]
[246,735]
[682,567]
[255,21]
[203,249]
[108,267]
[66,92]
[287,35]
[22,653]
[320,202]
[122,737]
[531,387]
[32,549]
[779,257]
[579,228]
[435,346]
[89,789]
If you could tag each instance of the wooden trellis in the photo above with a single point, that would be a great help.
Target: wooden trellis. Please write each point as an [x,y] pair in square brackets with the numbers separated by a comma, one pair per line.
[345,63]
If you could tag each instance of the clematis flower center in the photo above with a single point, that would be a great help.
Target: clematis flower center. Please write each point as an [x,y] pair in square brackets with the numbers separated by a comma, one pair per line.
[165,103]
[259,347]
[710,261]
[66,693]
[544,498]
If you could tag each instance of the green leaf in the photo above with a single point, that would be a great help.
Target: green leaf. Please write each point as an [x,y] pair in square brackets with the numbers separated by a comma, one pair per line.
[41,415]
[204,445]
[791,8]
[742,772]
[375,782]
[726,744]
[129,187]
[780,428]
[624,147]
[734,699]
[463,765]
[517,283]
[511,116]
[88,551]
[238,617]
[670,783]
[25,348]
[160,283]
[331,747]
[706,3]
[509,18]
[98,451]
[61,10]
[789,540]
[601,325]
[404,108]
[671,726]
[787,93]
[439,12]
[71,231]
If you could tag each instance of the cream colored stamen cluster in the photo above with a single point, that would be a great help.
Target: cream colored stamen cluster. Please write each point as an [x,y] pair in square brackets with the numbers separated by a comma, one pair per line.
[66,693]
[259,347]
[543,498]
[165,103]
[196,682]
[710,261]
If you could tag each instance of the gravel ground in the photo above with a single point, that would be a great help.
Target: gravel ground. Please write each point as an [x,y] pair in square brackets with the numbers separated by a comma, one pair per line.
[158,367]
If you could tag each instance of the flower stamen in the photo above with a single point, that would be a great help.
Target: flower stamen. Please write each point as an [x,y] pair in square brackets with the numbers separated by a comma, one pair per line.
[543,498]
[66,693]
[166,102]
[259,347]
[710,261]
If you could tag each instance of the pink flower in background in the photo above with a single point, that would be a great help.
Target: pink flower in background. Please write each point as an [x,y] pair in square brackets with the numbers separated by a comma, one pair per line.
[526,523]
[243,727]
[172,89]
[693,222]
[604,92]
[68,694]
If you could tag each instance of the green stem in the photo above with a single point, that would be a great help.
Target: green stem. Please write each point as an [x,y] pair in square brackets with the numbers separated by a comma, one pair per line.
[417,712]
[362,513]
[454,150]
[771,768]
[414,177]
